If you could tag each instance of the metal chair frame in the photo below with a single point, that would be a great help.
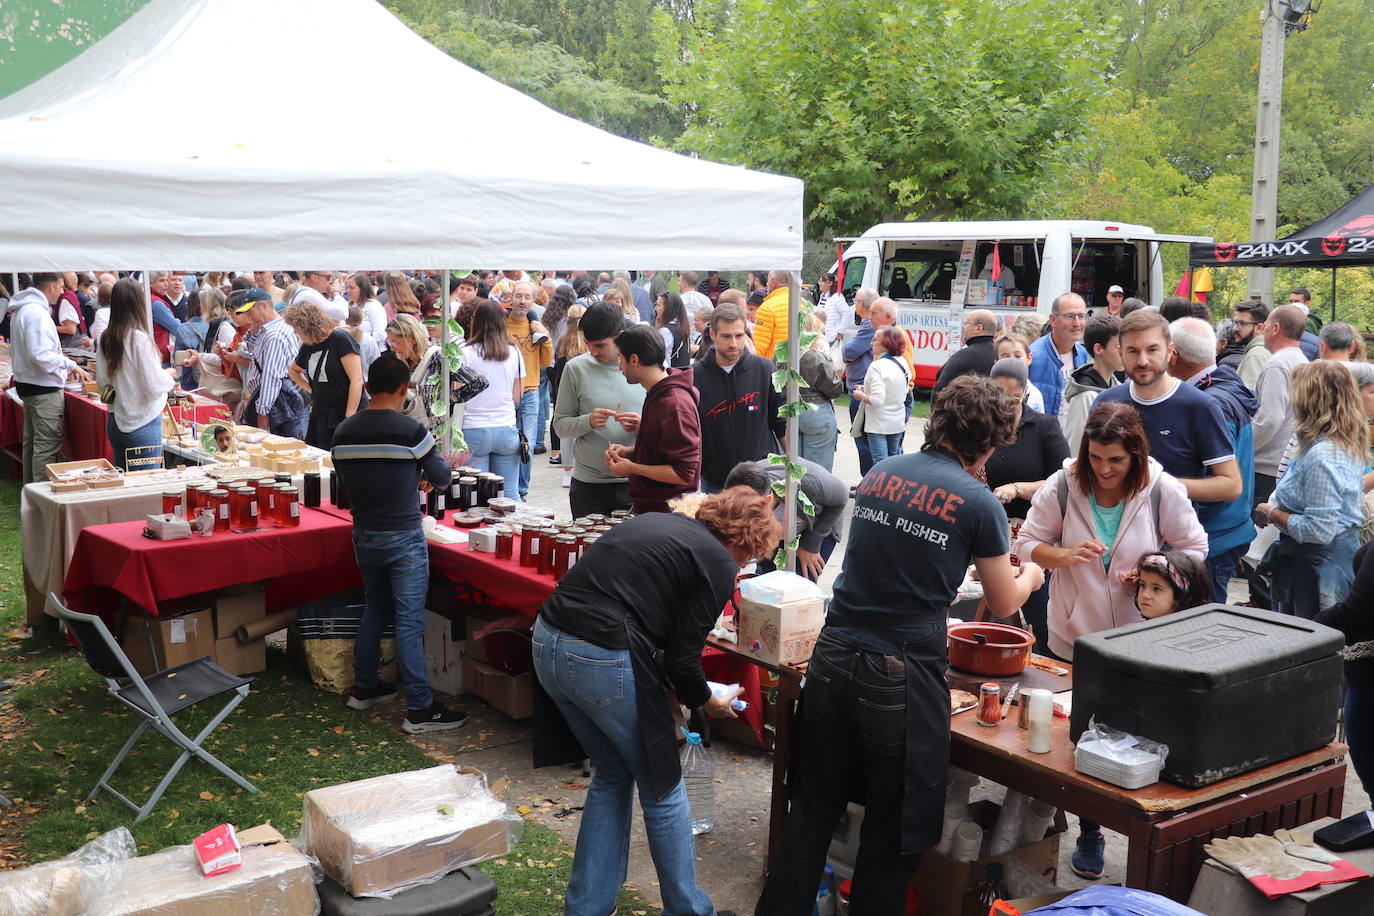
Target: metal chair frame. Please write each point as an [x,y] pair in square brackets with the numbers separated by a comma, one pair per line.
[154,716]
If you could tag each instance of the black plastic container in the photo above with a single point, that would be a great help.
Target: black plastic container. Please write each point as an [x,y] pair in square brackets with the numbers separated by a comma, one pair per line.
[1228,689]
[337,492]
[465,892]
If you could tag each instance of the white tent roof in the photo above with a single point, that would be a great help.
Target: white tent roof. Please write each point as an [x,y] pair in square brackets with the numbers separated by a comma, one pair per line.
[101,164]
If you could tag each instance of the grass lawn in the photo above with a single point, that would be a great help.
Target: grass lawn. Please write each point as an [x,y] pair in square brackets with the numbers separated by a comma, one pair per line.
[59,729]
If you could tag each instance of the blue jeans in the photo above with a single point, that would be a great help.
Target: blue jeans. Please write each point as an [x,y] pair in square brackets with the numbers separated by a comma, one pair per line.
[1308,578]
[860,442]
[497,449]
[1359,731]
[1221,567]
[527,416]
[545,408]
[595,690]
[395,568]
[884,445]
[147,439]
[816,435]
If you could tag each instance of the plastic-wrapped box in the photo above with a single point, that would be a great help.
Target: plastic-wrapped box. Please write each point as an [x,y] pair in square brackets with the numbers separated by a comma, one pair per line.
[1124,760]
[274,880]
[62,887]
[379,836]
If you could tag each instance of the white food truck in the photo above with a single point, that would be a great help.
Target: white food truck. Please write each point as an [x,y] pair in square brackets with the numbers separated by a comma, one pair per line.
[938,271]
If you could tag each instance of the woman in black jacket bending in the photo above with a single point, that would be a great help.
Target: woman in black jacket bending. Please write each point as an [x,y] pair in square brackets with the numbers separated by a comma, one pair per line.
[625,625]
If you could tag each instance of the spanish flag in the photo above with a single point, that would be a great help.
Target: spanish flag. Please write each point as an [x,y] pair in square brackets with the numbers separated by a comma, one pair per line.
[1199,287]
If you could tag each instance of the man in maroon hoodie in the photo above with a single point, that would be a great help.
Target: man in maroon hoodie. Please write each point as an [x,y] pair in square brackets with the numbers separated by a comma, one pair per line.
[665,460]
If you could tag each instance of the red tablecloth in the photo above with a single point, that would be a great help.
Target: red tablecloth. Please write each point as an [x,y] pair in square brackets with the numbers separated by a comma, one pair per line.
[11,422]
[86,416]
[304,563]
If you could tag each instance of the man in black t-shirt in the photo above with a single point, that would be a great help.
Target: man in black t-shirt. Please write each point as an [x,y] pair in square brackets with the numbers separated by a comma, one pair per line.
[919,520]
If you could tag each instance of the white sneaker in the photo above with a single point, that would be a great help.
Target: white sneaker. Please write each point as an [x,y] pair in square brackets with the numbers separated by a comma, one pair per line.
[567,478]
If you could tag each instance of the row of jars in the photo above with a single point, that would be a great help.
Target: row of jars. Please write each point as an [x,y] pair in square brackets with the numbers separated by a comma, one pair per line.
[244,504]
[553,548]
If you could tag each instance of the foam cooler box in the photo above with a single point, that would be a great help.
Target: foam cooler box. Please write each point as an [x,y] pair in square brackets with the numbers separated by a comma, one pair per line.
[1228,689]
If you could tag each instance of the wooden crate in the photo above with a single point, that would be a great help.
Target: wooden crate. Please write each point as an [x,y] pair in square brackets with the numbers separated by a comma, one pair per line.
[67,486]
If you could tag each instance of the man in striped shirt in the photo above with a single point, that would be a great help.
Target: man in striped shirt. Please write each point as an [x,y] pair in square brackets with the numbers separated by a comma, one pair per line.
[275,402]
[384,459]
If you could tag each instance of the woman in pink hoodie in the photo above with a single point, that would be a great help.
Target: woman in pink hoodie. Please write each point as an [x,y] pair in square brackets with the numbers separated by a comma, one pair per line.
[1124,506]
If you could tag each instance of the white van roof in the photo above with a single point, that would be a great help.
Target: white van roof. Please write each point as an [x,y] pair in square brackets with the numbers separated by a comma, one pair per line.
[996,230]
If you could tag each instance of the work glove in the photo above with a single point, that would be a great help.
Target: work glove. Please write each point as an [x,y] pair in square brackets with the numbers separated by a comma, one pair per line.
[1330,868]
[1262,861]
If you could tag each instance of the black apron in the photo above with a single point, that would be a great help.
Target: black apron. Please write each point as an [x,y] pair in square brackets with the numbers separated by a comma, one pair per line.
[927,741]
[556,745]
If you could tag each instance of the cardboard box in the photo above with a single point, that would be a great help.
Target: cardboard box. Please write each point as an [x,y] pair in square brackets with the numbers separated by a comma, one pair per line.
[376,835]
[237,658]
[235,609]
[512,694]
[175,640]
[443,656]
[274,880]
[45,889]
[472,622]
[780,634]
[940,882]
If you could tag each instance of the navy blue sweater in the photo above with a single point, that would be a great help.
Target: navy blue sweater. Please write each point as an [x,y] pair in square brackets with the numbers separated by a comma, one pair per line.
[381,455]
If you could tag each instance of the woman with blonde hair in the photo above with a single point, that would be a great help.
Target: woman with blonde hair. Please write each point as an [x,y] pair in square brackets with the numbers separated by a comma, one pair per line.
[409,340]
[1317,504]
[400,298]
[625,298]
[328,365]
[816,429]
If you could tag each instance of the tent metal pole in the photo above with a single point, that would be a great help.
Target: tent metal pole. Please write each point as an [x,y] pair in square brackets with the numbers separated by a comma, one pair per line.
[447,445]
[789,516]
[1333,294]
[148,297]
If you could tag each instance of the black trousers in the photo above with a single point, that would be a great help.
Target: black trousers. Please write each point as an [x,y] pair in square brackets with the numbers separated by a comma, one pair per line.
[852,744]
[597,498]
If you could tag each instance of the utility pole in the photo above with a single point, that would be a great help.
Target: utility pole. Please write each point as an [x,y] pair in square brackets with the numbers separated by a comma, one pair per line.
[1264,204]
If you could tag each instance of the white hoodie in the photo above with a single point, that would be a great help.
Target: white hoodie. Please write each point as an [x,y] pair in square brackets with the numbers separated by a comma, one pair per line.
[35,349]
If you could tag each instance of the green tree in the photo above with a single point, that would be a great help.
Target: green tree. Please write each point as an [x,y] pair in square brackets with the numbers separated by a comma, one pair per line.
[38,36]
[585,59]
[893,110]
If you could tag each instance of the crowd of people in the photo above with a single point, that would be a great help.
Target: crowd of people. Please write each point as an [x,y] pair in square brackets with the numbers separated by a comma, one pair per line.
[1095,469]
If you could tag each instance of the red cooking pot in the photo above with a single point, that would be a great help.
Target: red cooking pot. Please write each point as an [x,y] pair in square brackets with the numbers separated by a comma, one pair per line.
[989,649]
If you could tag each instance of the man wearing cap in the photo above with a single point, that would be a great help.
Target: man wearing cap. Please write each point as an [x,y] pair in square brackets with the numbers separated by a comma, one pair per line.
[272,401]
[317,287]
[1115,297]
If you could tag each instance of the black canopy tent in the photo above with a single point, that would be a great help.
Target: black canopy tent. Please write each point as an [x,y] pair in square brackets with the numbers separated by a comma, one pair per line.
[1342,238]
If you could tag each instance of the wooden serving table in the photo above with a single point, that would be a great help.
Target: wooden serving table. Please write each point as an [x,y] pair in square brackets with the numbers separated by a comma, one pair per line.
[1165,825]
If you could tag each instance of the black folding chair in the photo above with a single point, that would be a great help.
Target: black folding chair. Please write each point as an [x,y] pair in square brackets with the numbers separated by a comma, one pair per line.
[155,700]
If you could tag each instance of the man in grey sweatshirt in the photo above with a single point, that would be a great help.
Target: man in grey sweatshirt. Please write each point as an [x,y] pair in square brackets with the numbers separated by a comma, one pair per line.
[1273,422]
[590,394]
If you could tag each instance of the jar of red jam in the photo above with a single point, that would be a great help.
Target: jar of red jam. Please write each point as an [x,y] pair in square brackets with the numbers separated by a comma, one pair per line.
[174,502]
[219,502]
[250,508]
[531,541]
[564,554]
[288,506]
[547,538]
[505,542]
[266,490]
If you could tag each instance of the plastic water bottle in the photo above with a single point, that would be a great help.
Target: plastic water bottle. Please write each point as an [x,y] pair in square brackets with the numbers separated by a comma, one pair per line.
[699,777]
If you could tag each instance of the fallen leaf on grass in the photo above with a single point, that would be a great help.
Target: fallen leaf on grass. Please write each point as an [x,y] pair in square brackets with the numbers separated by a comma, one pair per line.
[312,752]
[207,796]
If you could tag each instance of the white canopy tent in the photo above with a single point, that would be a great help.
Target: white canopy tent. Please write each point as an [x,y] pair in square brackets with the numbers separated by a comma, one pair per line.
[331,137]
